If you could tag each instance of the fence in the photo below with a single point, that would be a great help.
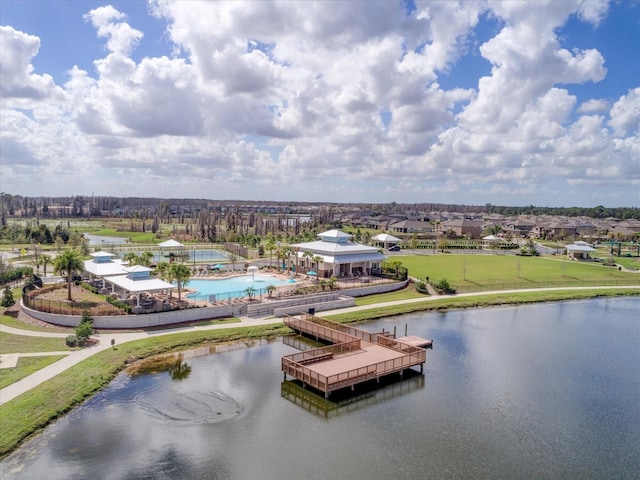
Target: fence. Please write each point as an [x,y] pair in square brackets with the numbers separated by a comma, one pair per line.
[69,308]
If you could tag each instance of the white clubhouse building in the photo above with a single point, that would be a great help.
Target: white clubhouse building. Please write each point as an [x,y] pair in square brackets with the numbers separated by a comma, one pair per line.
[340,257]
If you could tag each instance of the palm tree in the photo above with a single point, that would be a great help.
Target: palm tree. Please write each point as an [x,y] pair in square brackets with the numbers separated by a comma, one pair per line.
[295,251]
[132,258]
[309,255]
[44,261]
[271,246]
[181,274]
[145,258]
[68,262]
[166,273]
[162,268]
[317,259]
[251,292]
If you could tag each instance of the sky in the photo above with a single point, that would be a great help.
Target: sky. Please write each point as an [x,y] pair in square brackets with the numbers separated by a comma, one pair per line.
[466,102]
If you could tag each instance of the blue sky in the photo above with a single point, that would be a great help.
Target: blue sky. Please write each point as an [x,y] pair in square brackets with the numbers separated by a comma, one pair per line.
[509,103]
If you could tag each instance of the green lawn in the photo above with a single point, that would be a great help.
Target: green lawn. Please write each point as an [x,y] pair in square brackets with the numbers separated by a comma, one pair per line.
[12,322]
[404,294]
[476,270]
[26,344]
[25,367]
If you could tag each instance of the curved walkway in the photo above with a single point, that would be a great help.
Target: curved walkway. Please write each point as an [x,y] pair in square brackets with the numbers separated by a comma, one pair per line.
[73,358]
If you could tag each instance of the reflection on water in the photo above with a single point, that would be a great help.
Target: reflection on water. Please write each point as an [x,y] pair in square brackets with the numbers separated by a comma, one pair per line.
[173,363]
[541,391]
[344,401]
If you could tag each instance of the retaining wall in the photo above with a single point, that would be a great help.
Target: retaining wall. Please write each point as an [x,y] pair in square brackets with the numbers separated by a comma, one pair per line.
[370,290]
[139,321]
[343,302]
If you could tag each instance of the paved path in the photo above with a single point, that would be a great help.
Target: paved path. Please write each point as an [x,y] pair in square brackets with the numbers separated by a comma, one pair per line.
[74,357]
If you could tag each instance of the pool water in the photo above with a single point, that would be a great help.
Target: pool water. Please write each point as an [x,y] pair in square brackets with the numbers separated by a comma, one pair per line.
[234,287]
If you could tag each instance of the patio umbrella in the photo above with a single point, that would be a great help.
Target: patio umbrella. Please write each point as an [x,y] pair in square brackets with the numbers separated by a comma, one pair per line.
[312,272]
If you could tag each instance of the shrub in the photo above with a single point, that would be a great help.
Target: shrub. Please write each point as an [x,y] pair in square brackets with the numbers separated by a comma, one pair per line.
[71,341]
[7,297]
[119,304]
[421,287]
[88,287]
[443,287]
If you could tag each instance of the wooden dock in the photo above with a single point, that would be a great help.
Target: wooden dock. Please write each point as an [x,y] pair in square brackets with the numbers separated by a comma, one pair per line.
[355,355]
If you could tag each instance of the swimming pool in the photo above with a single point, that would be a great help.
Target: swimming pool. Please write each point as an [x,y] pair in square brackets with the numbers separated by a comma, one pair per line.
[234,287]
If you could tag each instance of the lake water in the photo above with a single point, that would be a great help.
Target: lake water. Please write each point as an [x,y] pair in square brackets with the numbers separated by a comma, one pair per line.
[547,391]
[95,240]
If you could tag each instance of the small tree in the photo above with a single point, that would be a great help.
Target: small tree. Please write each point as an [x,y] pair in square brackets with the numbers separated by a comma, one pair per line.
[180,273]
[7,297]
[251,292]
[270,289]
[68,262]
[85,329]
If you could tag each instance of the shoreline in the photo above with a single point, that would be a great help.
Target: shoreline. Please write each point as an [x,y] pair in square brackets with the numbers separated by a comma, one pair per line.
[27,414]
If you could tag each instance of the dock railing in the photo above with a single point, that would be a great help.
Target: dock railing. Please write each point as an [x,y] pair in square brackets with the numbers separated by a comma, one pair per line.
[294,365]
[354,332]
[317,330]
[376,370]
[398,346]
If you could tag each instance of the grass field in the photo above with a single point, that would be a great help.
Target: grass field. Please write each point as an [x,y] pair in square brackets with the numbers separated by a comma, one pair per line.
[25,367]
[26,344]
[476,270]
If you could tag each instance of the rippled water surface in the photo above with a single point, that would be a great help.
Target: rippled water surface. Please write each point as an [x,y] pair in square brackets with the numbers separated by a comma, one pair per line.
[542,391]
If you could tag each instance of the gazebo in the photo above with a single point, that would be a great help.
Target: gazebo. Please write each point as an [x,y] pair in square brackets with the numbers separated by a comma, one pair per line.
[138,280]
[385,239]
[579,250]
[171,246]
[103,265]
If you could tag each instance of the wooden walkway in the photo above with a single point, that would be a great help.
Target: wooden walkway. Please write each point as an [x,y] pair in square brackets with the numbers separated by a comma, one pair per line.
[356,356]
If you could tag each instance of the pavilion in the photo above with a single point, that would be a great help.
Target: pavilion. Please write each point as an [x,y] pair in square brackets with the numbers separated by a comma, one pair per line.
[386,240]
[138,280]
[340,257]
[579,250]
[132,280]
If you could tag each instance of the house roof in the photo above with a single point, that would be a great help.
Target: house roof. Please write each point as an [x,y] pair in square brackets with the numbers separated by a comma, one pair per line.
[102,253]
[335,234]
[579,248]
[149,284]
[104,269]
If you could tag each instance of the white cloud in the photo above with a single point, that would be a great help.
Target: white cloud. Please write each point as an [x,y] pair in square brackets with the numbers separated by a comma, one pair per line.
[261,94]
[17,79]
[110,23]
[625,114]
[594,106]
